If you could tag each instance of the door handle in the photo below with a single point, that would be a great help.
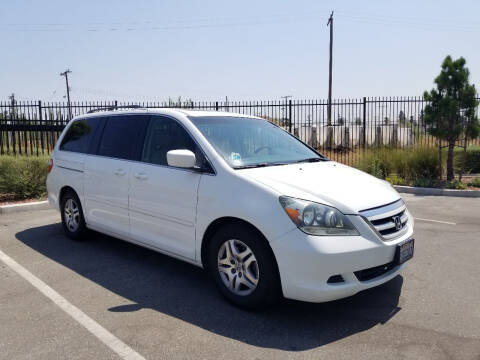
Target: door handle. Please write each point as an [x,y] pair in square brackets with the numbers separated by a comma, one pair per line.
[119,172]
[141,176]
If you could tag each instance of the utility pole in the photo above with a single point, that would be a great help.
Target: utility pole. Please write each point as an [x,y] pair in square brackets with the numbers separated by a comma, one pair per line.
[329,108]
[65,73]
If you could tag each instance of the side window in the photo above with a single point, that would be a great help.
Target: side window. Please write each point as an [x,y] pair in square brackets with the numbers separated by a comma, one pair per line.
[163,135]
[79,135]
[119,136]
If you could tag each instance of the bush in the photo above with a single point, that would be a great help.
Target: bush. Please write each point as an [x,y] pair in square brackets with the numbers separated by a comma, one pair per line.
[471,158]
[407,164]
[396,180]
[475,182]
[376,163]
[423,182]
[23,177]
[423,163]
[455,184]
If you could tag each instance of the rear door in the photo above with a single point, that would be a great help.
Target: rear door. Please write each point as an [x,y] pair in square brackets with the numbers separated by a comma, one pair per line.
[163,199]
[107,175]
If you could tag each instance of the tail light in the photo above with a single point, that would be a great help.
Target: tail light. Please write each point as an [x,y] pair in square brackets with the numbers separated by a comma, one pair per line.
[50,165]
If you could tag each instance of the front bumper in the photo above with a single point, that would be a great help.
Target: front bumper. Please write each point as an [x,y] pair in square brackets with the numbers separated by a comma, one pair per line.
[307,262]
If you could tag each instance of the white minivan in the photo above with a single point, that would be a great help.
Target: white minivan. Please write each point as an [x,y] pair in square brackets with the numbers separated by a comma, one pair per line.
[265,214]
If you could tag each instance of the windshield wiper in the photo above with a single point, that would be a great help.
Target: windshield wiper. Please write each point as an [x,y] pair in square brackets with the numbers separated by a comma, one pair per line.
[317,159]
[251,166]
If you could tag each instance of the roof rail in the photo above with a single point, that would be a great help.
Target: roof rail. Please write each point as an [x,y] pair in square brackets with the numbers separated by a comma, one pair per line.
[110,108]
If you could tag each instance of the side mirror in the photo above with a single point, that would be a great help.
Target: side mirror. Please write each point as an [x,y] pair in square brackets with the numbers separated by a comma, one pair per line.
[181,158]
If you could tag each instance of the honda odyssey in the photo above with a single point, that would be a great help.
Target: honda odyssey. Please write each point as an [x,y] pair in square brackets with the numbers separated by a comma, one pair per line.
[265,214]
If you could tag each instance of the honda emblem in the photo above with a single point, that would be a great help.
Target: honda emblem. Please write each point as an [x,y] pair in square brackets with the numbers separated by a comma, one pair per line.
[398,222]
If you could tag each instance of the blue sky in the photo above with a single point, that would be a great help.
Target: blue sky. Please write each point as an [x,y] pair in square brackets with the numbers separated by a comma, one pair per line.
[246,50]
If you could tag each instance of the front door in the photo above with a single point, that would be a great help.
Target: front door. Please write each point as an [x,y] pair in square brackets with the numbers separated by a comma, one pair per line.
[163,199]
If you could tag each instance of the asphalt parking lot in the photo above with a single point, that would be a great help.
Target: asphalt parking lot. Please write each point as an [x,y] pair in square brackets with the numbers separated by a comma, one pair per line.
[161,308]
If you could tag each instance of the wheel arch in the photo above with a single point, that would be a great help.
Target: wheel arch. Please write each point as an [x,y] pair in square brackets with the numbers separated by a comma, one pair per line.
[63,191]
[224,221]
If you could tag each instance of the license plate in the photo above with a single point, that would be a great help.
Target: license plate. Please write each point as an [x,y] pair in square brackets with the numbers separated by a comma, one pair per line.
[404,251]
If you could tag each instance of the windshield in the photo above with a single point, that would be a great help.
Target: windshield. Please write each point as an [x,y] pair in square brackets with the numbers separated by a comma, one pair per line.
[250,142]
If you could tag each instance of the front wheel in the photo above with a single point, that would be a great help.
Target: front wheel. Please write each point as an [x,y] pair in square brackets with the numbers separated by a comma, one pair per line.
[244,267]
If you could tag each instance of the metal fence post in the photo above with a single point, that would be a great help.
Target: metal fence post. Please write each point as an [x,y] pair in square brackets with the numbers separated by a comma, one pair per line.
[40,118]
[290,116]
[364,122]
[216,105]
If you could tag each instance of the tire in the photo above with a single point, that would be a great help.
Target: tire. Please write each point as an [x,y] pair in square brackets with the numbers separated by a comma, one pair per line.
[73,222]
[233,276]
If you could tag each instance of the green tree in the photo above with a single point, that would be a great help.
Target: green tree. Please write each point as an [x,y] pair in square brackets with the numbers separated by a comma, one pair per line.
[450,114]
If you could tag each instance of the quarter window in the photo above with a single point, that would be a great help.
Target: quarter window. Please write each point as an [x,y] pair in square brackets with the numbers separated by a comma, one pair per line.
[79,135]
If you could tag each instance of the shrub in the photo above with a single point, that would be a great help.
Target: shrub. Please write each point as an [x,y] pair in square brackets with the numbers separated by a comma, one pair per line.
[423,163]
[472,160]
[23,177]
[423,182]
[396,180]
[455,184]
[407,164]
[401,164]
[376,163]
[475,182]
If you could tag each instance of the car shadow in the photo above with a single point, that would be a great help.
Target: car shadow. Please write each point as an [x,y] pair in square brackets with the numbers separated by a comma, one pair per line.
[155,281]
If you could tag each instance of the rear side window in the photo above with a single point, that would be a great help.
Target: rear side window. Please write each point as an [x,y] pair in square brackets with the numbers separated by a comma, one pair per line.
[163,135]
[79,135]
[120,134]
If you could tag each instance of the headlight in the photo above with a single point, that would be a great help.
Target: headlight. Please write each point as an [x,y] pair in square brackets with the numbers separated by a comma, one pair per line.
[317,219]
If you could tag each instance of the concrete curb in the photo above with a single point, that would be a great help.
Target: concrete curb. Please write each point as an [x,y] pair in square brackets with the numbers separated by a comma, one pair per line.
[437,192]
[37,205]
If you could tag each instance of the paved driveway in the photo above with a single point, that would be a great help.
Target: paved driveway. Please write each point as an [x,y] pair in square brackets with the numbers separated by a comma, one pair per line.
[160,308]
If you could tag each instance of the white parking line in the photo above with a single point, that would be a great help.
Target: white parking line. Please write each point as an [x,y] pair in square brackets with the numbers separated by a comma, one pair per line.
[114,343]
[437,221]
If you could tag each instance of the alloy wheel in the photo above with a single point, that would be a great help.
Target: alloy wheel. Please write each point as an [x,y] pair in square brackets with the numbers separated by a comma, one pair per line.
[71,213]
[238,267]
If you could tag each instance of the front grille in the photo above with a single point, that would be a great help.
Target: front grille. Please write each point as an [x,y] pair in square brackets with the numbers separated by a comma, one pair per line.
[390,220]
[374,272]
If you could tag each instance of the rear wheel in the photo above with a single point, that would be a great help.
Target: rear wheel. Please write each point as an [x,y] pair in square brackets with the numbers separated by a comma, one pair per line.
[244,268]
[73,221]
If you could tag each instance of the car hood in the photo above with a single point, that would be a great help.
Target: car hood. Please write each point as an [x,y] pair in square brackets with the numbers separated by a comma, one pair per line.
[328,182]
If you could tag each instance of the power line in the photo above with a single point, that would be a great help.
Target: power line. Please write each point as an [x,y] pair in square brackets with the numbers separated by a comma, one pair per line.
[185,24]
[152,26]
